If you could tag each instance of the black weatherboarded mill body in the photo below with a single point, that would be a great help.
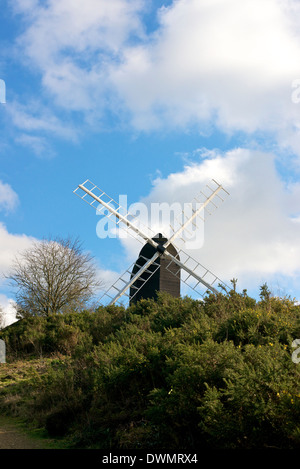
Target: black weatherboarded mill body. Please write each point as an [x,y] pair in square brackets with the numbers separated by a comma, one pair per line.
[158,279]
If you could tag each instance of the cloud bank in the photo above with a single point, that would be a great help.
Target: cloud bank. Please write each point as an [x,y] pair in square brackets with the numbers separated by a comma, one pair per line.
[254,234]
[219,64]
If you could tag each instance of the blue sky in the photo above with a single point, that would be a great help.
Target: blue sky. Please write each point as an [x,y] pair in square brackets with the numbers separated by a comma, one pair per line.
[152,99]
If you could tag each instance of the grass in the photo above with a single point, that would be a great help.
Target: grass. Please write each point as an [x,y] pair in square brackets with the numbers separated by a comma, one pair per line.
[33,438]
[15,380]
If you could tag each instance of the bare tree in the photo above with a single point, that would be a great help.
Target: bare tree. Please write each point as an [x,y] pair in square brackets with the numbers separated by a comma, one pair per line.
[52,276]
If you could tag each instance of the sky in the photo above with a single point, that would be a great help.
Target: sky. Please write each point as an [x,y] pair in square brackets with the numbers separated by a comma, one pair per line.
[150,100]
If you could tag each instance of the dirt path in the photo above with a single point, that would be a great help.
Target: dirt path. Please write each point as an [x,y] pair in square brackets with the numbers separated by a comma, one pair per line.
[13,437]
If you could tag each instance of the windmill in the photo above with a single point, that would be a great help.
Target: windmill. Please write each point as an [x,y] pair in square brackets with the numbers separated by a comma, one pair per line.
[159,276]
[159,254]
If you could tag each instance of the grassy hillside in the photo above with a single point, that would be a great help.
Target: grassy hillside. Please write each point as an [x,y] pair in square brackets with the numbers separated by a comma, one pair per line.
[168,374]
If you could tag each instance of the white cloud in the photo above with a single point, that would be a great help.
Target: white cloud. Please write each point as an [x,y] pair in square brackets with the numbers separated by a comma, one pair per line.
[34,117]
[37,144]
[8,197]
[84,26]
[71,43]
[36,122]
[252,236]
[230,61]
[227,63]
[10,246]
[8,308]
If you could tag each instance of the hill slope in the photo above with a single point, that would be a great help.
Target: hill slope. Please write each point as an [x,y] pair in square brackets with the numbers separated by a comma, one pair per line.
[167,374]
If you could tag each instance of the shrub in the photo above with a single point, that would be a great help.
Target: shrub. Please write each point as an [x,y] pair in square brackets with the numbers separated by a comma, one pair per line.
[168,374]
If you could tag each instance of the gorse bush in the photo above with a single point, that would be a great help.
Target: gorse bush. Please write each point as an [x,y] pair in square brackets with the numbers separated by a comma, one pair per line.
[62,334]
[167,374]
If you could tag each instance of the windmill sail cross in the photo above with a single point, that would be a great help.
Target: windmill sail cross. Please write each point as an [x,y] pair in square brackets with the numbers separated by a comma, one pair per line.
[159,264]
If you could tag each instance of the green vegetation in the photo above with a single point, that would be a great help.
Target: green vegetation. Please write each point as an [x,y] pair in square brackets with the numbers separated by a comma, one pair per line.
[167,374]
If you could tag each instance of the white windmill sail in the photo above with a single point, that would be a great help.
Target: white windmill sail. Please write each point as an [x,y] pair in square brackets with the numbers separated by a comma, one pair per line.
[191,223]
[191,278]
[126,281]
[91,194]
[108,207]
